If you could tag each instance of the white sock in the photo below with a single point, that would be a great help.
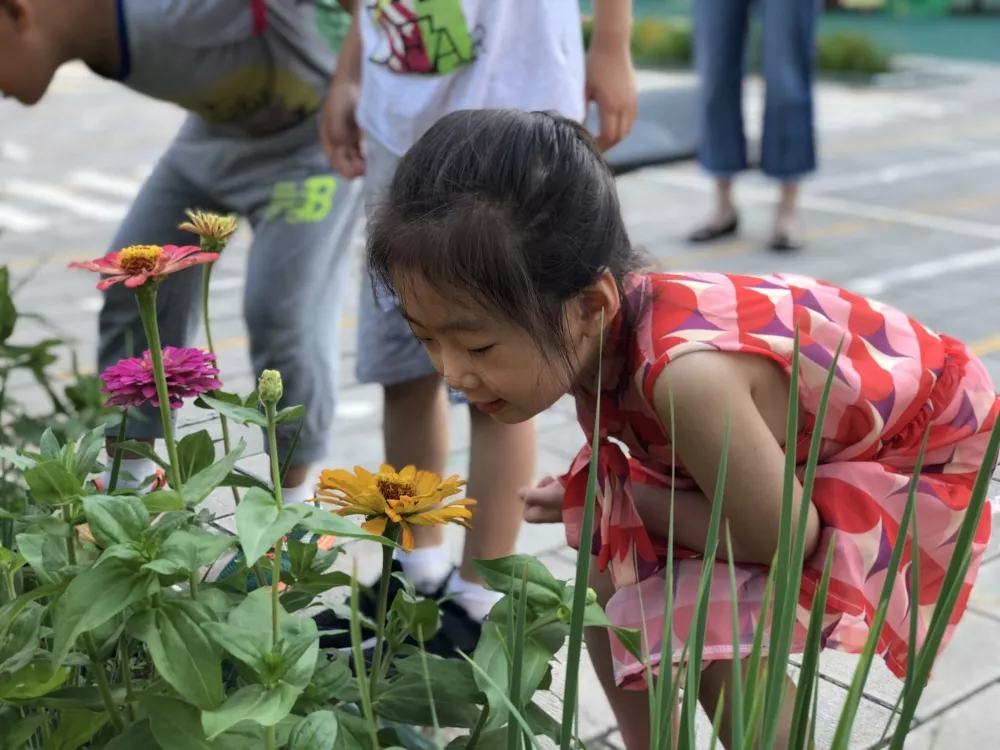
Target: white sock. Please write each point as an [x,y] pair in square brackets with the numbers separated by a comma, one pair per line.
[474,597]
[299,494]
[138,468]
[427,567]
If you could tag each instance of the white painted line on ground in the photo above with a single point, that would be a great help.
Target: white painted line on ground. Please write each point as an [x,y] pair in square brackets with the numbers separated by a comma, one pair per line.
[876,284]
[60,197]
[830,204]
[120,187]
[907,171]
[23,222]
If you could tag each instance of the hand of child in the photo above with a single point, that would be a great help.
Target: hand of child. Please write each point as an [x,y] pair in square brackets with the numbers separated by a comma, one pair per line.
[339,131]
[543,504]
[611,84]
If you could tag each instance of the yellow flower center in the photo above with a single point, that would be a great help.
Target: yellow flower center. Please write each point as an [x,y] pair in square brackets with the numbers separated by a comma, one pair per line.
[392,486]
[139,258]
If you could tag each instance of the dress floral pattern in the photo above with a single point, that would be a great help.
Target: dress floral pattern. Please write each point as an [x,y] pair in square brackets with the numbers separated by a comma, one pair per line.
[893,379]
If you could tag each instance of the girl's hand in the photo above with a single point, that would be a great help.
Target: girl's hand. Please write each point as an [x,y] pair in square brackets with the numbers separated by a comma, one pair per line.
[543,504]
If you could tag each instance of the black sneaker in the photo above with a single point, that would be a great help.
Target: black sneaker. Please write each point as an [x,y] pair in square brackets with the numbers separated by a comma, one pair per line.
[458,631]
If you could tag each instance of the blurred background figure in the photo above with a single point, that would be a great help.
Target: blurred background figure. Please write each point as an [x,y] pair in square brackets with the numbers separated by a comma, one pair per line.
[788,147]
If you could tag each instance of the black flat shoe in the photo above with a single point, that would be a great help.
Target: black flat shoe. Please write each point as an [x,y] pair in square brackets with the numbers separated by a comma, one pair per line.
[710,233]
[782,242]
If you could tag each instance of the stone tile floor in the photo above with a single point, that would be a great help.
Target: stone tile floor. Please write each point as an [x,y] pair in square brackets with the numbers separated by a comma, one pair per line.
[904,208]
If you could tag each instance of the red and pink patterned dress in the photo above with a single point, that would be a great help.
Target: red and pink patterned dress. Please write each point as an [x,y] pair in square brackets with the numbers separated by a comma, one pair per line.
[893,378]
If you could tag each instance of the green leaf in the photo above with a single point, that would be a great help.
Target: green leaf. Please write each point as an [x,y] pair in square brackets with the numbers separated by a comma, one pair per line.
[419,616]
[239,414]
[630,638]
[544,592]
[256,703]
[136,736]
[353,733]
[16,459]
[236,479]
[290,414]
[8,311]
[200,486]
[90,448]
[19,640]
[163,501]
[75,729]
[324,522]
[249,648]
[94,597]
[176,640]
[51,483]
[176,725]
[253,615]
[332,680]
[406,700]
[14,737]
[318,731]
[49,445]
[32,681]
[195,452]
[115,519]
[260,523]
[188,549]
[142,449]
[45,554]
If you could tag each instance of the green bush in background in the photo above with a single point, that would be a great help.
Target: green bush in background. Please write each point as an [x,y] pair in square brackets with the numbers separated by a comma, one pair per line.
[668,43]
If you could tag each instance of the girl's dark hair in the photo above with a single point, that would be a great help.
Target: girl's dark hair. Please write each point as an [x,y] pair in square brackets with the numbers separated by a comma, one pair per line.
[517,209]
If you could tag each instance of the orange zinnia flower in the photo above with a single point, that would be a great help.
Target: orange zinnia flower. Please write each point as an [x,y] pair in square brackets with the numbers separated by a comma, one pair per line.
[407,498]
[138,264]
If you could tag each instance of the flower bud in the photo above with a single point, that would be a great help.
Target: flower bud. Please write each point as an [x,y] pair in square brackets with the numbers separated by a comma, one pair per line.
[591,597]
[213,229]
[564,613]
[270,388]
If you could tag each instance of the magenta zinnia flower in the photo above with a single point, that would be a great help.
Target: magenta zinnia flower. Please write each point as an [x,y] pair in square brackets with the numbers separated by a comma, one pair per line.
[189,372]
[138,264]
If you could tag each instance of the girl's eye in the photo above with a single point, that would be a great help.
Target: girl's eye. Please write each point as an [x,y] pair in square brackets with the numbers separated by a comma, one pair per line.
[481,350]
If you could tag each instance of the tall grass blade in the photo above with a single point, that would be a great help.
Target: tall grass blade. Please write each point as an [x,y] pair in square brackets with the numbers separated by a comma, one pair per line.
[737,709]
[717,722]
[950,589]
[786,616]
[665,684]
[782,585]
[753,681]
[575,648]
[842,735]
[517,657]
[699,618]
[809,672]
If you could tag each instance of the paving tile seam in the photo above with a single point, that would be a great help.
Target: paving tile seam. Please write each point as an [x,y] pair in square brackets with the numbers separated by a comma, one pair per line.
[941,710]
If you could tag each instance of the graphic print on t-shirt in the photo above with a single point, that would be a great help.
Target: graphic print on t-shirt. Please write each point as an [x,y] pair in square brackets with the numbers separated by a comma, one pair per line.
[422,36]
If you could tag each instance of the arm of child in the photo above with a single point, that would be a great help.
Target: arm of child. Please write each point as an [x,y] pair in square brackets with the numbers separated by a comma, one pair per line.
[610,77]
[338,127]
[707,387]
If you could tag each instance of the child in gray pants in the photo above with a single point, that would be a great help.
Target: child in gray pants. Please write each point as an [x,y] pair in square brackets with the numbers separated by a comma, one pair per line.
[253,75]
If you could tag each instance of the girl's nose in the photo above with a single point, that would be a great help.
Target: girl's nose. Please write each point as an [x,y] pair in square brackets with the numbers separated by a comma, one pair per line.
[457,373]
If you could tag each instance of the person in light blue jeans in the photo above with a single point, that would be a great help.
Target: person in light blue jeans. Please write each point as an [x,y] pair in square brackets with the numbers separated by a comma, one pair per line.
[788,147]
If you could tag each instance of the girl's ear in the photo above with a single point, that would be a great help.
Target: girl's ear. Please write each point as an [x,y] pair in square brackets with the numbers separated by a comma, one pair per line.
[600,297]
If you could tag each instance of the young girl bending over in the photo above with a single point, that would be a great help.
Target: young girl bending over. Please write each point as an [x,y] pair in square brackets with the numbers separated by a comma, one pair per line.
[503,239]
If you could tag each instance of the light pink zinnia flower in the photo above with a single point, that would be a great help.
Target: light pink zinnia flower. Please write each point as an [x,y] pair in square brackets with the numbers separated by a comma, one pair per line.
[138,264]
[189,372]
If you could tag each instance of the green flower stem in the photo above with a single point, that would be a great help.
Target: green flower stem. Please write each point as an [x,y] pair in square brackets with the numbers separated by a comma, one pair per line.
[71,539]
[383,605]
[205,283]
[269,738]
[146,298]
[103,686]
[130,701]
[272,439]
[116,463]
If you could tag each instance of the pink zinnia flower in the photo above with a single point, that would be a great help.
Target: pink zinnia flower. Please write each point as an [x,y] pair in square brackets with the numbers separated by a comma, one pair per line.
[189,372]
[138,264]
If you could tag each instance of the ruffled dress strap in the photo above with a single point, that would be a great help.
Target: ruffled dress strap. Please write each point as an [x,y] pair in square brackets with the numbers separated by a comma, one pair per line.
[620,539]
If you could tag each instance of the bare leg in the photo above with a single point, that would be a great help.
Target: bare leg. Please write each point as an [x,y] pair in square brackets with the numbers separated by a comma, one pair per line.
[416,432]
[717,680]
[502,461]
[786,233]
[631,707]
